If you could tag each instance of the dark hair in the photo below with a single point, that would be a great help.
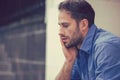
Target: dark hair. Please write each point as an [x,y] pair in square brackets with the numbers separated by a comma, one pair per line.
[79,9]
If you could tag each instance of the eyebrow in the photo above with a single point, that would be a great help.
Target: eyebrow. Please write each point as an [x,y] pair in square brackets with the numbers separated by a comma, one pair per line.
[63,23]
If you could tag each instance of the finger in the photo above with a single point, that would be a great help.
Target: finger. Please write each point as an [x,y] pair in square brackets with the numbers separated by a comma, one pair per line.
[63,45]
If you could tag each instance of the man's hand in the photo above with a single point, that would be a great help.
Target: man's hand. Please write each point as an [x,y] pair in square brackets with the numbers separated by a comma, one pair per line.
[69,53]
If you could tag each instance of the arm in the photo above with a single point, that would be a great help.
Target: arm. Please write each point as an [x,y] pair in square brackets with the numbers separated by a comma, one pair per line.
[70,56]
[108,62]
[65,73]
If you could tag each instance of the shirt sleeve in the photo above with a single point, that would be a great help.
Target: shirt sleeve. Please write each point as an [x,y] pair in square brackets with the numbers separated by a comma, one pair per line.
[75,72]
[107,57]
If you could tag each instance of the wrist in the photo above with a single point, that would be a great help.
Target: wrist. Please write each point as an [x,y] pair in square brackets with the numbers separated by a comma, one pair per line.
[69,62]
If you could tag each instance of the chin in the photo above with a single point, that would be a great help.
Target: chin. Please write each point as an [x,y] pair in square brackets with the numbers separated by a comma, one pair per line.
[68,45]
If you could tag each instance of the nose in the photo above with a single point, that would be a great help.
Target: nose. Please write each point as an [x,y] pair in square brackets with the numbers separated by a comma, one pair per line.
[61,31]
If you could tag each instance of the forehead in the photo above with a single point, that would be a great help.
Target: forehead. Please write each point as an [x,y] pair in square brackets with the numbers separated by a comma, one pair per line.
[65,17]
[63,13]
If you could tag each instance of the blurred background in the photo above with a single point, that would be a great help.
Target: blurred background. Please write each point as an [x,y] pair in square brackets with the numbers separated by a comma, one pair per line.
[22,39]
[29,41]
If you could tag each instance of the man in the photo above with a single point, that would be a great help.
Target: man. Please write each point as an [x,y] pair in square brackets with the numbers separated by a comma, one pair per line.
[90,53]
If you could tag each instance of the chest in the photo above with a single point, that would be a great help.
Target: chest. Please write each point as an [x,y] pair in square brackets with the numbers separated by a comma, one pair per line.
[86,64]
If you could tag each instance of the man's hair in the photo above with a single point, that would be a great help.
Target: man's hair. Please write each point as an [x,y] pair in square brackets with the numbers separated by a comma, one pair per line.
[79,9]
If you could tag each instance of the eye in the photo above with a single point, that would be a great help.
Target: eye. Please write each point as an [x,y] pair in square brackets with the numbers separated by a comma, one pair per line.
[65,25]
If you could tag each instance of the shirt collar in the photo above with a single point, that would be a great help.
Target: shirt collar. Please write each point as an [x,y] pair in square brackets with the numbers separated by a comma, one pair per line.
[88,41]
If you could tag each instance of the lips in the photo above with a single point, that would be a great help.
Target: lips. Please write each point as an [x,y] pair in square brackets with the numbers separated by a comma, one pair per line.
[64,39]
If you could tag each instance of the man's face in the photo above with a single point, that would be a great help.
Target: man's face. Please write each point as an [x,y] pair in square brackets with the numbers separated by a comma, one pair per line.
[69,30]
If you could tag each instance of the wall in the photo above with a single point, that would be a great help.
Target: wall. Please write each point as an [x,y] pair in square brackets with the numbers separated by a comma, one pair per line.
[107,14]
[107,17]
[22,45]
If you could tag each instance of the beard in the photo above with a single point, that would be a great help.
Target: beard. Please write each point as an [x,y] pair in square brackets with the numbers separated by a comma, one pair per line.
[75,39]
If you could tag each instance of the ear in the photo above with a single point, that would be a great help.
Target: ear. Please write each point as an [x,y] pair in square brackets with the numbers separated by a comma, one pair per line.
[84,26]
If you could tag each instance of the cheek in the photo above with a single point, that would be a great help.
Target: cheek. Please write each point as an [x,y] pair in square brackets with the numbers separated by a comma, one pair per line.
[76,34]
[69,33]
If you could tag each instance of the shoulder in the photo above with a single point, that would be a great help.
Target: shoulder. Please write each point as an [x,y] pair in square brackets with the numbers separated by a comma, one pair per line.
[106,50]
[105,38]
[106,45]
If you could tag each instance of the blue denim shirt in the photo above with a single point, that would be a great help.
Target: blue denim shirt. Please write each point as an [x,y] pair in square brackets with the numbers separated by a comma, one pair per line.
[98,57]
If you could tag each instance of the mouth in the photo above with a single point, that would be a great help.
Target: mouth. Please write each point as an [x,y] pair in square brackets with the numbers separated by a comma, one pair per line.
[64,39]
